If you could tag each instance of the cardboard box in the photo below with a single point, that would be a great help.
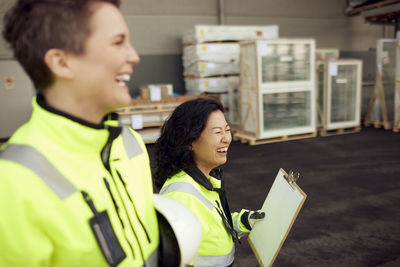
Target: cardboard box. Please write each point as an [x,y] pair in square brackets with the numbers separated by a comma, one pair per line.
[156,92]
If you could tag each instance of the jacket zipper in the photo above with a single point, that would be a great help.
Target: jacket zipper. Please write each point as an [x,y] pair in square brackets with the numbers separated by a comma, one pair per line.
[133,205]
[105,157]
[117,212]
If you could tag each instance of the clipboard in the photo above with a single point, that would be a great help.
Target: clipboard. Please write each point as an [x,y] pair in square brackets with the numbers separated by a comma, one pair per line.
[281,207]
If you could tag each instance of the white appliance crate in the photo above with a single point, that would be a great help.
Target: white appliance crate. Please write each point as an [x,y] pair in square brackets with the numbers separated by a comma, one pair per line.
[326,53]
[278,63]
[212,33]
[339,93]
[211,52]
[212,84]
[275,113]
[205,69]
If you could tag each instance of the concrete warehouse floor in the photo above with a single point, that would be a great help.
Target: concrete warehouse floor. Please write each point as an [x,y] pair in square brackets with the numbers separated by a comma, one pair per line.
[351,216]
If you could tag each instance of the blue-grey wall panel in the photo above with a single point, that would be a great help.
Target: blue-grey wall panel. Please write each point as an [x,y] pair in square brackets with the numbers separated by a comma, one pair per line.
[158,69]
[286,8]
[170,7]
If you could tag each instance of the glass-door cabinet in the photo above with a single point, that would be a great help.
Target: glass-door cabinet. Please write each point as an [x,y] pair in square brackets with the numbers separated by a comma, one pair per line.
[339,93]
[387,77]
[277,87]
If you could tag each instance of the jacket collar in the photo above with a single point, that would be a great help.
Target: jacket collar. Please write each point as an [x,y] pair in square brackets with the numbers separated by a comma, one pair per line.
[41,101]
[200,178]
[68,131]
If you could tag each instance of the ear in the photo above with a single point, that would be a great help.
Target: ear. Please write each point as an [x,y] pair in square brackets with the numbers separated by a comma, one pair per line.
[57,61]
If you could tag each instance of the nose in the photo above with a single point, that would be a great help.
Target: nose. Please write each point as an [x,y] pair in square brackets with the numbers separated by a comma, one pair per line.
[227,137]
[132,56]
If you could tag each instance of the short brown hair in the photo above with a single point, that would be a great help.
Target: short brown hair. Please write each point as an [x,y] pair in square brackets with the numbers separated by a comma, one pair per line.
[32,27]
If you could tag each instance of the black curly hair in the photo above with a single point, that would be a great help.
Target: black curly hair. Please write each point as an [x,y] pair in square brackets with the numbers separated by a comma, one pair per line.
[173,147]
[32,27]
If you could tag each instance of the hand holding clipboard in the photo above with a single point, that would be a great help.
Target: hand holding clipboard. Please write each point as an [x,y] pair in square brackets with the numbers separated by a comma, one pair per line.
[281,206]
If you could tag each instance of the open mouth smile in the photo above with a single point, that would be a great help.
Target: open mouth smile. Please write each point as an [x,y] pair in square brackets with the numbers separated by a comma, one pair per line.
[122,79]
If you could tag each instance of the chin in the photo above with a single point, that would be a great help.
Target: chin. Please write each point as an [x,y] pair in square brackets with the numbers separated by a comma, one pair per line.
[123,100]
[221,162]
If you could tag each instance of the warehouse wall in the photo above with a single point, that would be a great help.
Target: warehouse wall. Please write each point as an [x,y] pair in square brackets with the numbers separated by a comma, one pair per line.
[157,27]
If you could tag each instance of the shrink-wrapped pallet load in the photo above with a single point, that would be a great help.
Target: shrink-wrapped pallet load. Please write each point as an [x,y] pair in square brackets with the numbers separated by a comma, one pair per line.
[213,33]
[212,51]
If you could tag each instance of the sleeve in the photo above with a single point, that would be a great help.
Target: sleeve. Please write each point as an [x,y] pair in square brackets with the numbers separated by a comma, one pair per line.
[22,238]
[241,223]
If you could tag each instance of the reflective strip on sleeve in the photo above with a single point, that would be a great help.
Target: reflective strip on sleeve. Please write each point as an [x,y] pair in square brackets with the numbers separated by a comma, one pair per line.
[236,225]
[186,187]
[152,260]
[220,260]
[132,145]
[32,159]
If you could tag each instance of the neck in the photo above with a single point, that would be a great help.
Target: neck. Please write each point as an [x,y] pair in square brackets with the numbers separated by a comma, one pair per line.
[79,107]
[206,171]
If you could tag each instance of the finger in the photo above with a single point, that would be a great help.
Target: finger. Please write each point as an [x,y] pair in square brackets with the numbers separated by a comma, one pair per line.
[257,215]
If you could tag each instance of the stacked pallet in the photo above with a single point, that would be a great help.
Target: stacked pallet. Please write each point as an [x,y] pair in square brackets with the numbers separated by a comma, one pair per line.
[211,60]
[147,116]
[384,106]
[277,90]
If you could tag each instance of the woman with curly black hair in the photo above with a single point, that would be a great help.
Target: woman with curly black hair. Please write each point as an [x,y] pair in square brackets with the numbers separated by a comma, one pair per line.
[193,144]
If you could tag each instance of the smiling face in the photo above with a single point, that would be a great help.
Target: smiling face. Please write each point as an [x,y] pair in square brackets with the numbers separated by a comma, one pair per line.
[211,148]
[104,68]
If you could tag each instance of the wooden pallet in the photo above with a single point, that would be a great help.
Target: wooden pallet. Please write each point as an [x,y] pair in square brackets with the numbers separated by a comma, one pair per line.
[210,76]
[378,124]
[396,126]
[143,105]
[324,132]
[149,135]
[213,42]
[254,141]
[378,94]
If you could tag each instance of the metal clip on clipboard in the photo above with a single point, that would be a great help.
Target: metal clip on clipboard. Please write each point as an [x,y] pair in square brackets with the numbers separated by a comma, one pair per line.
[292,178]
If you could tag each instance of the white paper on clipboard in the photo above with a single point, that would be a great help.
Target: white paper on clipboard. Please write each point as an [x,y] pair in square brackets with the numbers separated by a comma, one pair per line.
[281,207]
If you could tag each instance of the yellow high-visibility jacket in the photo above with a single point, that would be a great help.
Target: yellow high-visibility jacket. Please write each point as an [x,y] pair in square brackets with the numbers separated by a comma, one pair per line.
[56,173]
[203,196]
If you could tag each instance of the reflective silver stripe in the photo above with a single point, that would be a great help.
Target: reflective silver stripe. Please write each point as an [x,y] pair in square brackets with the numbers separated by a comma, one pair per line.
[32,159]
[132,145]
[214,261]
[236,225]
[152,260]
[187,188]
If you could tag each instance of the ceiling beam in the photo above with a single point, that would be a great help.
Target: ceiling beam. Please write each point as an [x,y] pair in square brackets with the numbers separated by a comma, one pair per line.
[358,10]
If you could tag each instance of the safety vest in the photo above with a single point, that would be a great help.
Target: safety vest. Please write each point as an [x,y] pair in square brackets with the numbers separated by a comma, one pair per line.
[216,247]
[75,194]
